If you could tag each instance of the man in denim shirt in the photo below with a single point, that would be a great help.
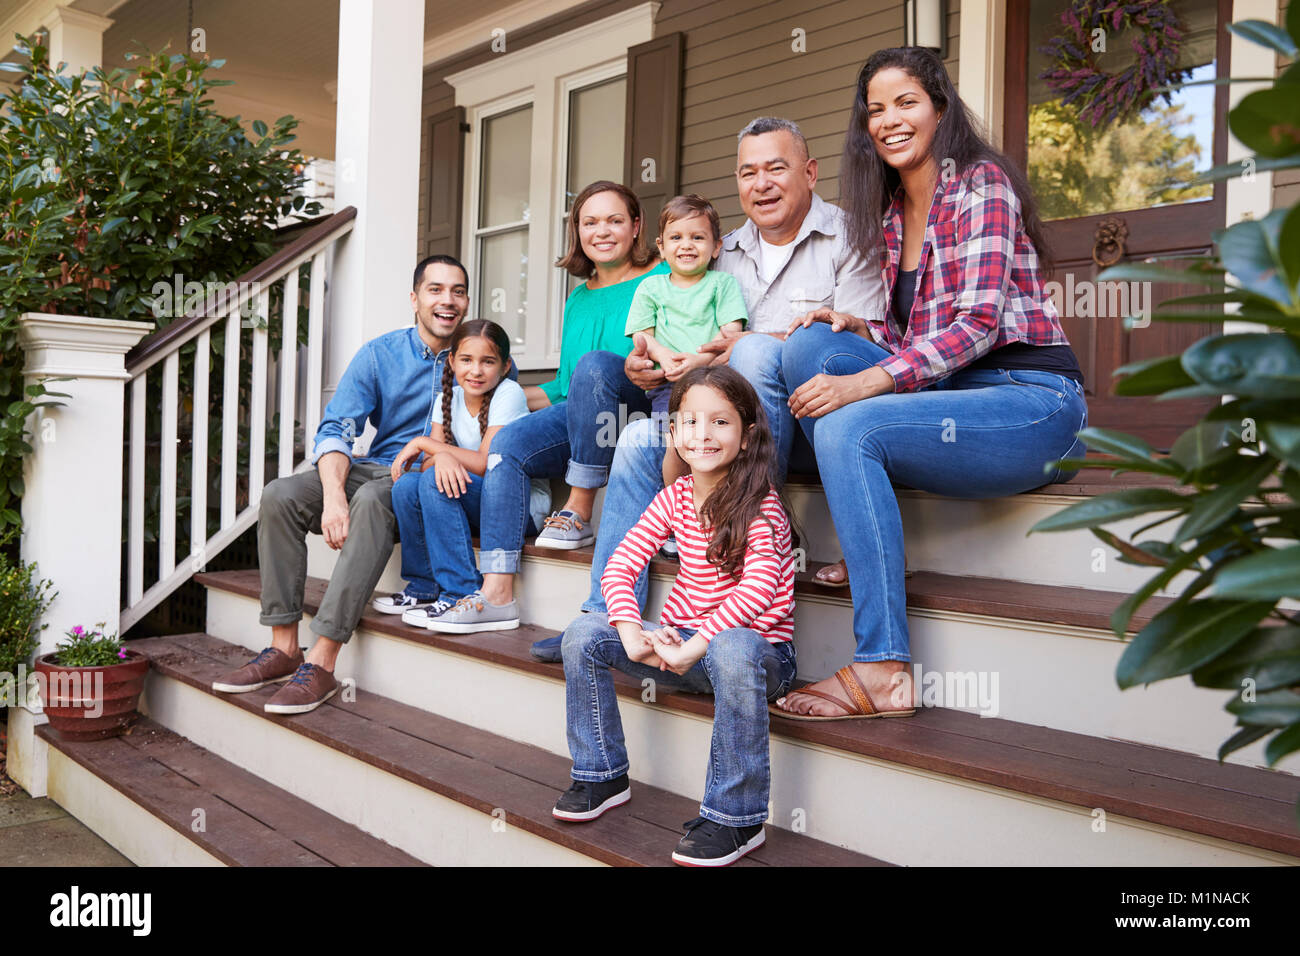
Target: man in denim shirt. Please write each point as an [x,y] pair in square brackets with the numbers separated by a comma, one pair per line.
[389,383]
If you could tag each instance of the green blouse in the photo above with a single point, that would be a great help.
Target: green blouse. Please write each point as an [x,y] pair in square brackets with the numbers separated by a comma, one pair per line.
[594,320]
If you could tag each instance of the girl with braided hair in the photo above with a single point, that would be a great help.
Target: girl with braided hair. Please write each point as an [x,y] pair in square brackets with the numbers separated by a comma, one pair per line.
[438,506]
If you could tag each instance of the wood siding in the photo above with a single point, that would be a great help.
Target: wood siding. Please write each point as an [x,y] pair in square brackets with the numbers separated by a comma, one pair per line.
[740,63]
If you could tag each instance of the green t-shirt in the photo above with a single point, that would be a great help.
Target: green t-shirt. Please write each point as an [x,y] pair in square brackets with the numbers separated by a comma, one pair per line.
[593,321]
[684,319]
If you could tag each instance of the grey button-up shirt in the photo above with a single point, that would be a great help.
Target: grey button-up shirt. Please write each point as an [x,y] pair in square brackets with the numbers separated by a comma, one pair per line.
[822,271]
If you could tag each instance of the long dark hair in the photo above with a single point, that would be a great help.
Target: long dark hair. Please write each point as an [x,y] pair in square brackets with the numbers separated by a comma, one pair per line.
[868,183]
[738,499]
[474,328]
[575,261]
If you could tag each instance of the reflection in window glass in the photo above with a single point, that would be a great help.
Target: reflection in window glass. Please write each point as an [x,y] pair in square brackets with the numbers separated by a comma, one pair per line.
[595,145]
[503,283]
[1077,170]
[507,158]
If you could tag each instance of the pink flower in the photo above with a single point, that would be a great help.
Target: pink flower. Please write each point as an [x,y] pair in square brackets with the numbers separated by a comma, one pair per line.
[122,653]
[77,630]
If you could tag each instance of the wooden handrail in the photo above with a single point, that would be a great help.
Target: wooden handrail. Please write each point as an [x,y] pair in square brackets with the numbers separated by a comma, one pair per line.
[158,342]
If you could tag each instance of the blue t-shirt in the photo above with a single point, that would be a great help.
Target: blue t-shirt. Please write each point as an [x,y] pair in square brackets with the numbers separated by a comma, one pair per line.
[508,404]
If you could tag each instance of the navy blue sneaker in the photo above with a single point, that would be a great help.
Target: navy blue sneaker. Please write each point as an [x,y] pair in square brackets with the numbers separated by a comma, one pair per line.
[548,649]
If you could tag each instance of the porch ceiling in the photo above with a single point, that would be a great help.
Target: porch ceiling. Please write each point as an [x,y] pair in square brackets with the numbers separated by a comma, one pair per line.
[282,55]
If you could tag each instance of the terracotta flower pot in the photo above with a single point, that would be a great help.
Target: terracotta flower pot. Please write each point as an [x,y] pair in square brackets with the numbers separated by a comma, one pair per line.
[89,703]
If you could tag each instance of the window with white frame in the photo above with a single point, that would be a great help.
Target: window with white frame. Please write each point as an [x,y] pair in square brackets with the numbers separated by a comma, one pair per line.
[545,121]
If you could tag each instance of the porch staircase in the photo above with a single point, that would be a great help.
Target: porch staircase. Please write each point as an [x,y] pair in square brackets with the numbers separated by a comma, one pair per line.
[449,749]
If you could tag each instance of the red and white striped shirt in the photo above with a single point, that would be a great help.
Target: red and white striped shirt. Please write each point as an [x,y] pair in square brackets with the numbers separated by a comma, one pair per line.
[702,596]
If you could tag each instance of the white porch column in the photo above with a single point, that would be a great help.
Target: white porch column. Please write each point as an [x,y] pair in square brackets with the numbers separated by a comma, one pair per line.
[376,157]
[77,38]
[72,495]
[72,499]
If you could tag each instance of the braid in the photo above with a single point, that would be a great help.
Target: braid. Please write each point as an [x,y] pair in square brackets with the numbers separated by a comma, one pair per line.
[483,414]
[448,377]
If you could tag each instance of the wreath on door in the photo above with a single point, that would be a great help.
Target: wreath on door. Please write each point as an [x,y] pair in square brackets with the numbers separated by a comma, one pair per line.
[1100,97]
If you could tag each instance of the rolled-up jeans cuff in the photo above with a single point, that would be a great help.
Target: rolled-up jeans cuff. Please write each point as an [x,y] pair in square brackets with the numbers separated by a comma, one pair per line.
[498,561]
[593,607]
[333,633]
[281,619]
[578,475]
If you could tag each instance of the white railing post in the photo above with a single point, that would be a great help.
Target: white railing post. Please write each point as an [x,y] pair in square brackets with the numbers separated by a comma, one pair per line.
[72,498]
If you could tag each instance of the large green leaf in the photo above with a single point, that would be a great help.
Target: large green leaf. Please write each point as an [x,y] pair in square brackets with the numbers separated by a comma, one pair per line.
[1242,738]
[1113,506]
[1270,656]
[1115,443]
[1268,575]
[1265,34]
[1152,376]
[1257,364]
[1122,615]
[1206,274]
[1283,440]
[1268,121]
[1185,635]
[1289,247]
[1276,708]
[1249,251]
[1198,444]
[1288,741]
[1214,507]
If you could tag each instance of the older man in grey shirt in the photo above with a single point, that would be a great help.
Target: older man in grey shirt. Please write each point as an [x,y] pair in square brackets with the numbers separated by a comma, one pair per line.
[790,256]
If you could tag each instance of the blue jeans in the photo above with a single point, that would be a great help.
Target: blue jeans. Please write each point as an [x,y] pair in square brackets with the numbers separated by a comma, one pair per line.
[741,668]
[437,553]
[980,433]
[574,438]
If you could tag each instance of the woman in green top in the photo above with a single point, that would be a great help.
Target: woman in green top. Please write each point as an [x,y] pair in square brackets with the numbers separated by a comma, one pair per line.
[575,418]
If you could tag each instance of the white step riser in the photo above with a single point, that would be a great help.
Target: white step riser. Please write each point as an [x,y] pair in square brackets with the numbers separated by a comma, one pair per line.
[430,827]
[953,819]
[1050,675]
[126,826]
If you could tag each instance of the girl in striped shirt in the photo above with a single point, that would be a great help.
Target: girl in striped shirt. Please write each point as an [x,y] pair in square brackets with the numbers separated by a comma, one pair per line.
[725,629]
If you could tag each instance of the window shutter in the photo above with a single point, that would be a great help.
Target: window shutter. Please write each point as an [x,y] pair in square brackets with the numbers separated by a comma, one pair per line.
[441,220]
[654,124]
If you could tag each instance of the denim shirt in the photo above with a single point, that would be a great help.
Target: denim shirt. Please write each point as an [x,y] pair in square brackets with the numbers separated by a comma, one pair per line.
[392,382]
[823,270]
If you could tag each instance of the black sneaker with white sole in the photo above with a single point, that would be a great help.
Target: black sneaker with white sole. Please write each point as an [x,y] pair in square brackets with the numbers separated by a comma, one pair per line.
[712,844]
[399,603]
[588,799]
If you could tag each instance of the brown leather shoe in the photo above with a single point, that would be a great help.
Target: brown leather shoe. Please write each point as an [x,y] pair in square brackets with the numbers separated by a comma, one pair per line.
[309,687]
[268,667]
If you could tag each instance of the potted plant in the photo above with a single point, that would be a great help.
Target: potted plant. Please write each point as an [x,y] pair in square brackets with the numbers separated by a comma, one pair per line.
[91,684]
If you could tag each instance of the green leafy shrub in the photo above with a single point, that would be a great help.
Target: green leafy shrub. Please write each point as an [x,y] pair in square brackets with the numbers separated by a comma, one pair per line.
[24,597]
[113,181]
[1233,479]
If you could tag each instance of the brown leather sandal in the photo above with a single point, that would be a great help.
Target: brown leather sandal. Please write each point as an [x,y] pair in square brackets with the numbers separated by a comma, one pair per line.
[862,708]
[828,583]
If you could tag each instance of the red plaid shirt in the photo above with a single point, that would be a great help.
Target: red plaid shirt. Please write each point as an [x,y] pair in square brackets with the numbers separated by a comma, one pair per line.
[978,282]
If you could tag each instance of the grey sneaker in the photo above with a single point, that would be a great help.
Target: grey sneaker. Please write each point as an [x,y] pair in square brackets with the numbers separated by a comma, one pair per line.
[473,613]
[566,531]
[421,616]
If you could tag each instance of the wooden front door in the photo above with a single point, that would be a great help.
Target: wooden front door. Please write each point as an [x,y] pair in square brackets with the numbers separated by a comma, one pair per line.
[1126,181]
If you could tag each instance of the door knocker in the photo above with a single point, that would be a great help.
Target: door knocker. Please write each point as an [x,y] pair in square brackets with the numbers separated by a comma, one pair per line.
[1108,242]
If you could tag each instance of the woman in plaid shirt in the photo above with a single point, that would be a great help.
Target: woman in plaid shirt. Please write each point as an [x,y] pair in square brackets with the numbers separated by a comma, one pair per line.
[967,388]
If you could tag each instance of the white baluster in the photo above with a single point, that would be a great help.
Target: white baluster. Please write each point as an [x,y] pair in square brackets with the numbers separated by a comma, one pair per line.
[288,371]
[199,451]
[230,421]
[167,469]
[315,348]
[135,532]
[257,404]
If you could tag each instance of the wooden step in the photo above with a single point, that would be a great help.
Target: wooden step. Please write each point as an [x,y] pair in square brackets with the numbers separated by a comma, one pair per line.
[1243,805]
[245,821]
[478,769]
